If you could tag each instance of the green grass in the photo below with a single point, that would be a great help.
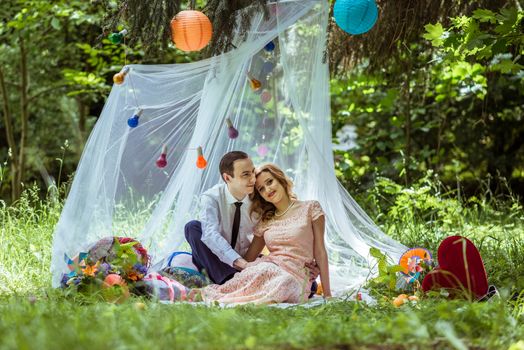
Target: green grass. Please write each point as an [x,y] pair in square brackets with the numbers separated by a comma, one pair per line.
[33,315]
[55,322]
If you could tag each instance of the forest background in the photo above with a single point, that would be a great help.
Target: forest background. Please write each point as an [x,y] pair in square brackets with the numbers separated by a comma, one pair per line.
[428,136]
[444,98]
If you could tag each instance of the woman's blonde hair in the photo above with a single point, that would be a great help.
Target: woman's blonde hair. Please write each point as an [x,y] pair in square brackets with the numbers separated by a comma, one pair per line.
[259,206]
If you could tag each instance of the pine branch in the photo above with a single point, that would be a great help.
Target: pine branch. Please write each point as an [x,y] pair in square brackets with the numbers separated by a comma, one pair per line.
[399,22]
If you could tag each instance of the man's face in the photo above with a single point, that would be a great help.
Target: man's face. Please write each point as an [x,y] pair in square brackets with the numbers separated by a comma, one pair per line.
[243,181]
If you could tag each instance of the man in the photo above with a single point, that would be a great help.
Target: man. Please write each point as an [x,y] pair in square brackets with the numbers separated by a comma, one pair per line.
[211,239]
[221,239]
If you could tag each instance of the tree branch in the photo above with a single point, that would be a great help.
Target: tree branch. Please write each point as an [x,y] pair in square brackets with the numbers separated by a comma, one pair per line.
[44,91]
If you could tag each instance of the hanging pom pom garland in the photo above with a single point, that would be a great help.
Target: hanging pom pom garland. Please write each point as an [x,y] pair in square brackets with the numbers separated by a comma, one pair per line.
[255,84]
[201,163]
[133,121]
[191,30]
[119,77]
[117,38]
[355,16]
[231,131]
[161,162]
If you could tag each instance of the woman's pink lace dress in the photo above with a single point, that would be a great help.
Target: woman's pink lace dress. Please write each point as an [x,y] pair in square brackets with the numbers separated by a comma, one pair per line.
[281,276]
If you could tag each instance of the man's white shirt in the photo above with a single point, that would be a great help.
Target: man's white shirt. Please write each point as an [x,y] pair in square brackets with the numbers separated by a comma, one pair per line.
[217,214]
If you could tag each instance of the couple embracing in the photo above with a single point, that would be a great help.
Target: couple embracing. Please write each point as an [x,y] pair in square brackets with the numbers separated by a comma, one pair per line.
[253,209]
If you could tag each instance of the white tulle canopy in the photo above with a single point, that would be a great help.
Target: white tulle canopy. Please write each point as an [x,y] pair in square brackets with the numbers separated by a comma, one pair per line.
[118,190]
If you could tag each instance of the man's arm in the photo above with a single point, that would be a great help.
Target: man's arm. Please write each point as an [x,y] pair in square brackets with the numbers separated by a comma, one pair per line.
[211,235]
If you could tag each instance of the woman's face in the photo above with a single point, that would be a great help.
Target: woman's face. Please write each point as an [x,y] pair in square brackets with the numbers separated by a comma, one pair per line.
[269,187]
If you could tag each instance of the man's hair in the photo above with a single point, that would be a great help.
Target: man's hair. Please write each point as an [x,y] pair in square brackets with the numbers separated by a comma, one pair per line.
[226,163]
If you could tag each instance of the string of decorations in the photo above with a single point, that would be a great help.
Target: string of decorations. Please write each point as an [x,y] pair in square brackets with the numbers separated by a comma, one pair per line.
[191,30]
[201,163]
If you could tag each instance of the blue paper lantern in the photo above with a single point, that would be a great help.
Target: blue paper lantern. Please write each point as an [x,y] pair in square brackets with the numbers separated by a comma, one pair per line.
[355,16]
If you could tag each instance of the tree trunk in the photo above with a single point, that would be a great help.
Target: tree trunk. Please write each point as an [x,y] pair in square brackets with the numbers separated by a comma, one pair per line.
[24,87]
[10,135]
[407,128]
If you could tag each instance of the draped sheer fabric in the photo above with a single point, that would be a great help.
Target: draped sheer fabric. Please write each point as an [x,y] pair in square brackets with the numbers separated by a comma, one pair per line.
[118,190]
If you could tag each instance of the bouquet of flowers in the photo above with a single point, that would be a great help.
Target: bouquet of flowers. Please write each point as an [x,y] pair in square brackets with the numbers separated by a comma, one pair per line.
[110,265]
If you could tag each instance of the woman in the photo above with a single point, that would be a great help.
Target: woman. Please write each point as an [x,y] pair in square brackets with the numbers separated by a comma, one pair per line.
[293,231]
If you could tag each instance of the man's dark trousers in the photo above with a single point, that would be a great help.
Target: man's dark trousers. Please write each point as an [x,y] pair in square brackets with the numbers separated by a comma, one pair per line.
[203,258]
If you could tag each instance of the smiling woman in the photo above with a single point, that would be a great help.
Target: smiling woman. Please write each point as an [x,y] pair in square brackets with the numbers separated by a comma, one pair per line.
[274,192]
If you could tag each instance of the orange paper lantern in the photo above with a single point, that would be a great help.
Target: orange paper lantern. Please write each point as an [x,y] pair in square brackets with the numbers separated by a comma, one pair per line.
[191,30]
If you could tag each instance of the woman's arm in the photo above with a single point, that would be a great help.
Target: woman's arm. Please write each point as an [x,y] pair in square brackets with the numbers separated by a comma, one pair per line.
[321,254]
[257,244]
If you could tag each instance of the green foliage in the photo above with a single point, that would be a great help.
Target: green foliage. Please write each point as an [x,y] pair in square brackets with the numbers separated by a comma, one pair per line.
[53,322]
[426,212]
[387,273]
[69,69]
[455,107]
[434,33]
[25,242]
[125,255]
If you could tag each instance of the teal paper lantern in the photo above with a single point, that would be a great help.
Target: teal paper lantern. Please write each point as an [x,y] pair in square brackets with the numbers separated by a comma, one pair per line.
[355,16]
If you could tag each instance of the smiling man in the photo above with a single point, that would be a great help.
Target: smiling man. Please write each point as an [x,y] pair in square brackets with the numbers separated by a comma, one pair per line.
[222,237]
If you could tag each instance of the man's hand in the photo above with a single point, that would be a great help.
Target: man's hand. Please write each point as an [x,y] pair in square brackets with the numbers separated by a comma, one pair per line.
[240,264]
[314,270]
